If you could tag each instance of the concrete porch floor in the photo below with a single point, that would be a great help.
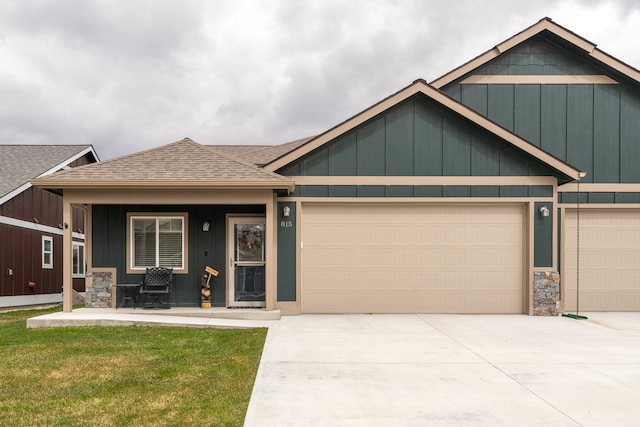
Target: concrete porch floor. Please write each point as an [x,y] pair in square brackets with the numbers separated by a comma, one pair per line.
[175,316]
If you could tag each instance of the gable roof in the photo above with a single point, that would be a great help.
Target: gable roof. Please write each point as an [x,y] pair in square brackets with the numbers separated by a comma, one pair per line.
[422,87]
[544,26]
[178,165]
[21,163]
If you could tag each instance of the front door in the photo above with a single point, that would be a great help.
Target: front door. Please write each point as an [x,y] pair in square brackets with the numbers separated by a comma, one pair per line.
[246,239]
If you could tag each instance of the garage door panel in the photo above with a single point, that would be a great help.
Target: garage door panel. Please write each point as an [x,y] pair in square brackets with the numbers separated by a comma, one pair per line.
[381,302]
[394,255]
[417,258]
[609,260]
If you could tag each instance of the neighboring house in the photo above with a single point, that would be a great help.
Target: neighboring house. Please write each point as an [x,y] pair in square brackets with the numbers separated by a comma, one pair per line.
[31,269]
[458,196]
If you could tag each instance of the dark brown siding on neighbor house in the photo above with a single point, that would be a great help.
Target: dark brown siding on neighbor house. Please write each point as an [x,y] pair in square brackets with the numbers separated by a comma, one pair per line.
[40,207]
[22,253]
[35,205]
[84,160]
[21,248]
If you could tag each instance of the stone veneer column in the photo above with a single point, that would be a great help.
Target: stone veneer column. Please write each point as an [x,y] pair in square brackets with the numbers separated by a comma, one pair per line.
[546,293]
[99,289]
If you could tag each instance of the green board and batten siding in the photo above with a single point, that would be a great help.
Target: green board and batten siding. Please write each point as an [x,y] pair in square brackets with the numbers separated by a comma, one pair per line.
[415,138]
[594,127]
[205,248]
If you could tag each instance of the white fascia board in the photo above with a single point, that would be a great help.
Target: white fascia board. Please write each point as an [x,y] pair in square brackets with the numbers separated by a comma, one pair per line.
[69,160]
[27,185]
[14,193]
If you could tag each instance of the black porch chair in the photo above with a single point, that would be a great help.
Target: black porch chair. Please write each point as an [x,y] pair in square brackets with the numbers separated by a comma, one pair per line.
[157,282]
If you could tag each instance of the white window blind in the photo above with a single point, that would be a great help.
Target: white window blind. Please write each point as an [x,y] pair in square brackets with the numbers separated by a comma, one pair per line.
[170,242]
[157,242]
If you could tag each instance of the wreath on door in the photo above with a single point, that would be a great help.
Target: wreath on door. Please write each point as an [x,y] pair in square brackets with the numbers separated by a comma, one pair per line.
[250,242]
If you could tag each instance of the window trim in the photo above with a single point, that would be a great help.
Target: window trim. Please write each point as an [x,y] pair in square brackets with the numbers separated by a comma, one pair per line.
[47,265]
[82,268]
[157,215]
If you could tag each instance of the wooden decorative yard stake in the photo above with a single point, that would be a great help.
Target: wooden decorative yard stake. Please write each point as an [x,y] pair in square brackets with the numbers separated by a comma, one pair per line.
[205,292]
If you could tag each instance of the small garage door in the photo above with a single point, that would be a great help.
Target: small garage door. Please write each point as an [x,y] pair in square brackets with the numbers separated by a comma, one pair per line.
[368,258]
[609,260]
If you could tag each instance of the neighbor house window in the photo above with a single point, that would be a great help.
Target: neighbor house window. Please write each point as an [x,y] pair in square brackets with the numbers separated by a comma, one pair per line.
[78,260]
[157,241]
[47,252]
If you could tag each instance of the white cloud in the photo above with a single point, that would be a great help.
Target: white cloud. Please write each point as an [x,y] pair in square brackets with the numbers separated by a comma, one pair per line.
[126,76]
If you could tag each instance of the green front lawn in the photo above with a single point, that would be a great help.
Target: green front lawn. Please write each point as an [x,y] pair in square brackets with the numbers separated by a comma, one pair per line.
[123,376]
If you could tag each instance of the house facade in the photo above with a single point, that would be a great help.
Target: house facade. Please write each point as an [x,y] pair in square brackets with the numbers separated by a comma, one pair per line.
[494,189]
[31,224]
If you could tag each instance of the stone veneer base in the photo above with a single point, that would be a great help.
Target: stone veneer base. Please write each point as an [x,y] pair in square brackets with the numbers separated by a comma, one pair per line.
[546,293]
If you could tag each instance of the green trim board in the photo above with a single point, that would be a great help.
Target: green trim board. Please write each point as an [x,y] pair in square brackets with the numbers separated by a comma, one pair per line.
[286,252]
[599,198]
[479,191]
[543,235]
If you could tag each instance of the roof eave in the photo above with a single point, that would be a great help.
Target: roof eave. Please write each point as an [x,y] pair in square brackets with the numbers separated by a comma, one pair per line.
[48,184]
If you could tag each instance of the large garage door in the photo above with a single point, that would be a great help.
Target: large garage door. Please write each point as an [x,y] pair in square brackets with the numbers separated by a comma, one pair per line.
[372,258]
[609,260]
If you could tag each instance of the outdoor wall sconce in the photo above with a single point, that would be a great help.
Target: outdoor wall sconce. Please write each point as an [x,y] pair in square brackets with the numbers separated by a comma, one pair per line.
[65,225]
[206,226]
[286,211]
[544,211]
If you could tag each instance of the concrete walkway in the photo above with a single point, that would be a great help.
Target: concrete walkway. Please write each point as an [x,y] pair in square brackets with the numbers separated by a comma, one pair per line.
[188,317]
[449,370]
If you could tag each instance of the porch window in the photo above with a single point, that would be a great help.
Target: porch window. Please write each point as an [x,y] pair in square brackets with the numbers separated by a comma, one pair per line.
[78,268]
[47,252]
[157,241]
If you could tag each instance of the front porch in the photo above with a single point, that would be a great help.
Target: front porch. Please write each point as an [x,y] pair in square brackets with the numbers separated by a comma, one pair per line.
[177,316]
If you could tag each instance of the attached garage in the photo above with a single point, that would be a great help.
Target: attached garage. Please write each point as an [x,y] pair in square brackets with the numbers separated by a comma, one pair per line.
[409,258]
[609,260]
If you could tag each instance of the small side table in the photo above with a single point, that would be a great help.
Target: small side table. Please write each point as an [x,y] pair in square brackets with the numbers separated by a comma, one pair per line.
[130,290]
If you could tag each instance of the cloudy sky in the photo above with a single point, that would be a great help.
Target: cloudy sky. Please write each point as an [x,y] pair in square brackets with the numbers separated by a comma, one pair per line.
[130,75]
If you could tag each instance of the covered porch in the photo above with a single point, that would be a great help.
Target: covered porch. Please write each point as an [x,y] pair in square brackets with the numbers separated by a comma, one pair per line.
[183,206]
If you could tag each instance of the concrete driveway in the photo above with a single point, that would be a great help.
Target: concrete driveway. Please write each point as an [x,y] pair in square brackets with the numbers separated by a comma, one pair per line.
[449,370]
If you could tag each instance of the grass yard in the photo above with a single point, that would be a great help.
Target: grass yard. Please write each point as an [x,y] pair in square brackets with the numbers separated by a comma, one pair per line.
[124,376]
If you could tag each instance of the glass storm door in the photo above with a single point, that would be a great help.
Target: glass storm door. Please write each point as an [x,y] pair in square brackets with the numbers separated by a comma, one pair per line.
[246,240]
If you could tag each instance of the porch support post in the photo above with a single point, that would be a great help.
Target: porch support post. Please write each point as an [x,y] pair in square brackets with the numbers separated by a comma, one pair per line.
[67,256]
[88,240]
[270,253]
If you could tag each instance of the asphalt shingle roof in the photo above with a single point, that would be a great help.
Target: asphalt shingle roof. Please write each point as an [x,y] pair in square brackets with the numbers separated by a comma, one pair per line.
[184,161]
[21,163]
[260,155]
